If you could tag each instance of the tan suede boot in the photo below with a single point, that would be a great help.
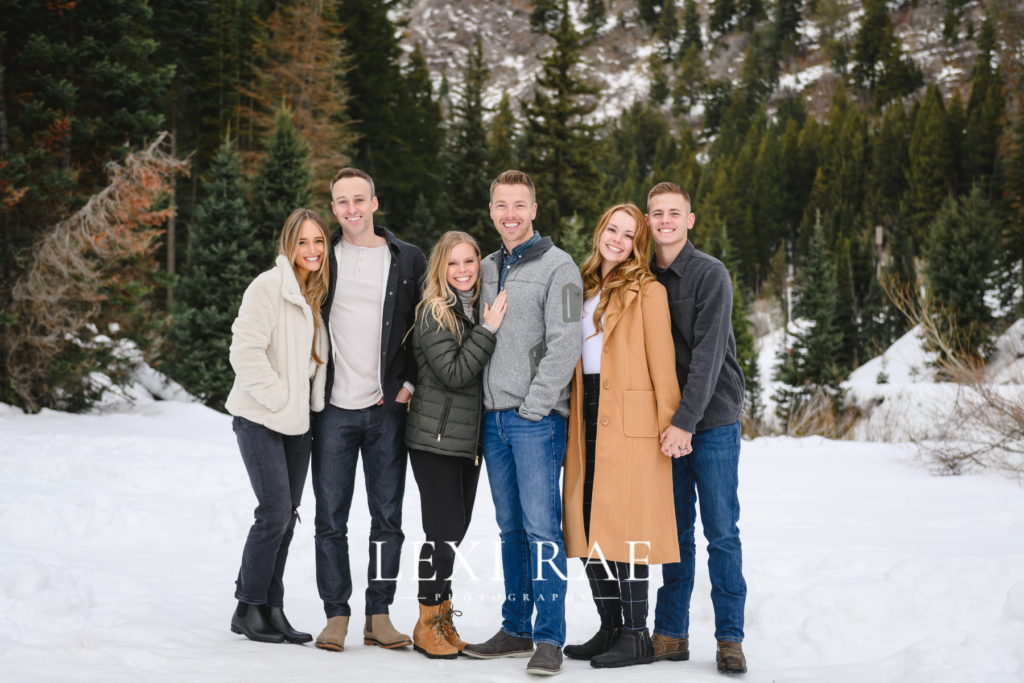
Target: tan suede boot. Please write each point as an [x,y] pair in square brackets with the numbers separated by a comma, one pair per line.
[380,631]
[673,649]
[333,636]
[429,634]
[450,634]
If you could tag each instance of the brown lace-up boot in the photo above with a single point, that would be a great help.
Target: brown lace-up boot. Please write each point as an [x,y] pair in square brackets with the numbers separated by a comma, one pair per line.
[428,636]
[450,634]
[672,649]
[730,658]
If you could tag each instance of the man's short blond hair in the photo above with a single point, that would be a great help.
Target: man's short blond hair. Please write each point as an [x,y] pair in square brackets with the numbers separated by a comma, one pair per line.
[667,188]
[513,177]
[350,172]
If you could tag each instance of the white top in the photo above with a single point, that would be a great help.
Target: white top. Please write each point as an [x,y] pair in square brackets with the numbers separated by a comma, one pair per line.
[355,324]
[592,344]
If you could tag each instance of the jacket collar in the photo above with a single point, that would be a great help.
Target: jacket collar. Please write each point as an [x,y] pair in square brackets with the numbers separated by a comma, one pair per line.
[536,251]
[290,289]
[613,314]
[679,265]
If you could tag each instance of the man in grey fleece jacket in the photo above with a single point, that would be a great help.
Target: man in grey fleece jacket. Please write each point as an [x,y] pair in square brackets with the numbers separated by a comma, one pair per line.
[526,399]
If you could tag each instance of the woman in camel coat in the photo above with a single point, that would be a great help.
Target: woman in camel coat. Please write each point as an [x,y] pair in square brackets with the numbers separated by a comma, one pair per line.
[619,506]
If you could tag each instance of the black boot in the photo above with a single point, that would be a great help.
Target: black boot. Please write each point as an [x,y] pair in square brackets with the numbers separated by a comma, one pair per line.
[598,645]
[279,622]
[253,622]
[632,647]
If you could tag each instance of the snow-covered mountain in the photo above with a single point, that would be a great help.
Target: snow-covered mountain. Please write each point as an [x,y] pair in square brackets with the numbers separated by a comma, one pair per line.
[617,61]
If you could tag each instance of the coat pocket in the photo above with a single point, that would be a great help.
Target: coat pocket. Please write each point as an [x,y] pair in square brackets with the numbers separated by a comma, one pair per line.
[444,417]
[640,414]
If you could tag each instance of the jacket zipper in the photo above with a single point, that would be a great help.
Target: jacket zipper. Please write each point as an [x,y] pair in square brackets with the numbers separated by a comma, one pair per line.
[444,417]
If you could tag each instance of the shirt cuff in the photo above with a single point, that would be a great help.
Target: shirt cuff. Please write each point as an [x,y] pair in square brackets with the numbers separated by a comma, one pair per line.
[490,328]
[410,387]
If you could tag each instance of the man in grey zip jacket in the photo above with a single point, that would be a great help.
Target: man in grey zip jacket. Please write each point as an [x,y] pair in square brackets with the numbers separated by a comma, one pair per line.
[526,403]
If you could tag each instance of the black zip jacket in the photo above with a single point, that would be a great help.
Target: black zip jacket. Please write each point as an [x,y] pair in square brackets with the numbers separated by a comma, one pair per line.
[405,275]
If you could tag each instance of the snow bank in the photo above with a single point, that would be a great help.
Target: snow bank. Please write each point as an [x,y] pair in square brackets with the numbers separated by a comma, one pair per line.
[120,536]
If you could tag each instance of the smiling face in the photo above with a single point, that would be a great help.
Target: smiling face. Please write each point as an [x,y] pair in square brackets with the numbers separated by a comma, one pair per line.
[615,244]
[669,218]
[309,255]
[513,211]
[353,206]
[463,267]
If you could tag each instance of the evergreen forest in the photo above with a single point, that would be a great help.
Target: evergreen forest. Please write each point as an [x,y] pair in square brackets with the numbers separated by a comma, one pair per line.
[150,151]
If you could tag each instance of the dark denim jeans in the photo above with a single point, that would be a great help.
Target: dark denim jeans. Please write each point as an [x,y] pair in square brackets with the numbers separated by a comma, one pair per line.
[339,436]
[277,466]
[709,474]
[524,464]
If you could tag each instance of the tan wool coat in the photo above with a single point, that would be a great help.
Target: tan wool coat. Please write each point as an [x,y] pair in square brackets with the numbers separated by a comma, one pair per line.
[632,499]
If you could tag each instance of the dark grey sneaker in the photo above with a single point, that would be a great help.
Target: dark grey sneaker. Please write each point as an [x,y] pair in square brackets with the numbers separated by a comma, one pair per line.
[547,661]
[501,644]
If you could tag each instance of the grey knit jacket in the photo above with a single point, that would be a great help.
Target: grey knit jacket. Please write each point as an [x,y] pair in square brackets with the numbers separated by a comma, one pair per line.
[539,341]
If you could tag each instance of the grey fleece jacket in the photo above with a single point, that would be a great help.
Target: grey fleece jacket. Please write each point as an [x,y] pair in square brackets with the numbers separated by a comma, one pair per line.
[539,341]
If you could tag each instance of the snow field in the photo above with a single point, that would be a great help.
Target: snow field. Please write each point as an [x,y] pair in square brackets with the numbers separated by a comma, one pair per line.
[120,537]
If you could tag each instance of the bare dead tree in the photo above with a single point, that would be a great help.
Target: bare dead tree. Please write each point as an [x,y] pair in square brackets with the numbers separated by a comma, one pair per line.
[983,428]
[60,292]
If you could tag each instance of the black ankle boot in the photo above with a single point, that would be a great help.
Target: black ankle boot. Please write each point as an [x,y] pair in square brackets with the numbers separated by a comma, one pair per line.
[632,647]
[279,622]
[598,645]
[253,622]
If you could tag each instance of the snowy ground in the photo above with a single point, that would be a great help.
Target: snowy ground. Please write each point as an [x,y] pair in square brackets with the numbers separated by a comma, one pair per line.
[120,536]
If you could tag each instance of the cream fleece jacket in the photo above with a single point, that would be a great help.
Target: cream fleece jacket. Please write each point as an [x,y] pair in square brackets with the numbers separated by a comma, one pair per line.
[271,344]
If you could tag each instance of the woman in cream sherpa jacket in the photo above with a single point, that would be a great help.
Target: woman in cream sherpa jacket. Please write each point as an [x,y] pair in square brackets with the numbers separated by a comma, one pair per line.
[278,349]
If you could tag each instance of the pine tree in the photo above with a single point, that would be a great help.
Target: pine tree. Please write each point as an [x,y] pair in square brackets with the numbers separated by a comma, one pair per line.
[300,62]
[649,10]
[985,110]
[813,359]
[847,308]
[690,82]
[931,164]
[899,74]
[469,177]
[595,14]
[220,267]
[722,15]
[887,179]
[871,38]
[787,20]
[660,90]
[691,27]
[667,30]
[960,258]
[501,138]
[749,12]
[283,183]
[956,121]
[561,145]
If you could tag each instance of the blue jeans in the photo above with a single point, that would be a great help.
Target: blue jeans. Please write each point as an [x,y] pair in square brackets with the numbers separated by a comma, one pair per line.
[524,463]
[277,465]
[338,437]
[709,474]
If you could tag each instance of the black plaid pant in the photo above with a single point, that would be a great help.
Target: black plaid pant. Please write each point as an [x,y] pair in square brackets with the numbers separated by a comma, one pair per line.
[620,596]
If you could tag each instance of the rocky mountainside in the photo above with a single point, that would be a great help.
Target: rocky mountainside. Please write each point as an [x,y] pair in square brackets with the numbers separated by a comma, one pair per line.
[618,59]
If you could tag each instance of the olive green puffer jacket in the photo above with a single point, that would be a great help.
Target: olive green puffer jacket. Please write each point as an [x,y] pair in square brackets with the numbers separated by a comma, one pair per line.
[446,412]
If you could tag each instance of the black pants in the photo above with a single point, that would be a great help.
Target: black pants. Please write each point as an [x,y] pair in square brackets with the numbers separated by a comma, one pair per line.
[447,491]
[621,597]
[277,466]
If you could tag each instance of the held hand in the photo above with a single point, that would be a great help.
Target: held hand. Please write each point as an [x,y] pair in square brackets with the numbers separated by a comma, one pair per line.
[675,442]
[495,313]
[403,395]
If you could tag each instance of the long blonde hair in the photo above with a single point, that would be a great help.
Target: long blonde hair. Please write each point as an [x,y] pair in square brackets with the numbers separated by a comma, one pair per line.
[318,283]
[635,269]
[438,297]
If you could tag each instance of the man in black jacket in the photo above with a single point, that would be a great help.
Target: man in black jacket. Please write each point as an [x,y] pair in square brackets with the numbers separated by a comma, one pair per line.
[374,289]
[704,437]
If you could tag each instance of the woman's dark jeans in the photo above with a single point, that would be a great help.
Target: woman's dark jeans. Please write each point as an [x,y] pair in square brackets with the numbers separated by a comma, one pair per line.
[277,466]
